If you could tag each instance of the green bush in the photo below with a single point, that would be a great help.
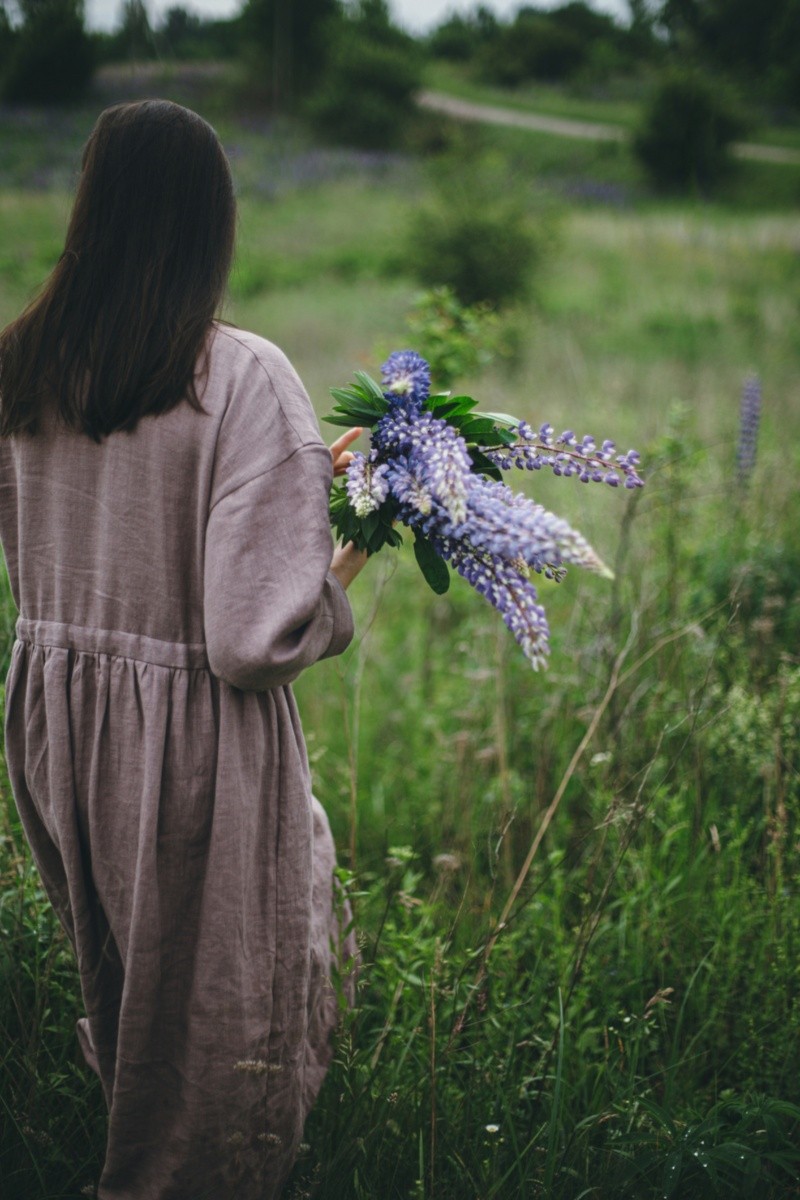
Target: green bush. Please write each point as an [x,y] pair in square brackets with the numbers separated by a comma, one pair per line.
[51,57]
[454,39]
[365,96]
[688,127]
[475,238]
[533,47]
[482,257]
[285,46]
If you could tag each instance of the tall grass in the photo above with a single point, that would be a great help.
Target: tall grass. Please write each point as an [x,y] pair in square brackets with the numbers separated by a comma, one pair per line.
[577,893]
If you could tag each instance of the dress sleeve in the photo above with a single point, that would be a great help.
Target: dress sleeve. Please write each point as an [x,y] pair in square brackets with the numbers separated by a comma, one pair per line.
[271,605]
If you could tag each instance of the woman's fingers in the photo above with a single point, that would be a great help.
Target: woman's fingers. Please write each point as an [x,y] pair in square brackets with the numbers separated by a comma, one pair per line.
[340,454]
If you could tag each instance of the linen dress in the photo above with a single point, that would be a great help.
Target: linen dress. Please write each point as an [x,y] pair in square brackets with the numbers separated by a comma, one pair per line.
[171,583]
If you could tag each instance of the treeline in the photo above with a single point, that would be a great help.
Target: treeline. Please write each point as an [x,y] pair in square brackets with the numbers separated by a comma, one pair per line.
[345,67]
[553,45]
[298,48]
[758,44]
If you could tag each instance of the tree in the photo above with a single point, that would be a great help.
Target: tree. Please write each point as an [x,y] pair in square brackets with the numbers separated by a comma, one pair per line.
[757,39]
[365,94]
[286,42]
[687,131]
[6,35]
[135,32]
[533,46]
[50,57]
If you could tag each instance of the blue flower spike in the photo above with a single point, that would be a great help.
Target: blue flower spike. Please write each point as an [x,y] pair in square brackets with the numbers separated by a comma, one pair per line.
[439,475]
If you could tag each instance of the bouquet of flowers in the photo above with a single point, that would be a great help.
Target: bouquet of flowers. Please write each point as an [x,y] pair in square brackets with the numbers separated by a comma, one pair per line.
[435,465]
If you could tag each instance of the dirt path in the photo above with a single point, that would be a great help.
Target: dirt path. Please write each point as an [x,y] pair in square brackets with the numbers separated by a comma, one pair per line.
[468,110]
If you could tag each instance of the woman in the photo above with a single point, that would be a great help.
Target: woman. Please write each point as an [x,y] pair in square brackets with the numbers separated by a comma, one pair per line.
[163,511]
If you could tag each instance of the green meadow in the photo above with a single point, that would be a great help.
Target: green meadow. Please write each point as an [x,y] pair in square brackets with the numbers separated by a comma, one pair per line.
[577,891]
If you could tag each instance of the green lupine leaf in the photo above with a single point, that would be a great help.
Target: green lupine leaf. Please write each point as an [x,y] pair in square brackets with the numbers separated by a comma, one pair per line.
[434,568]
[483,465]
[355,413]
[476,429]
[500,419]
[341,419]
[371,387]
[497,437]
[370,523]
[377,541]
[453,408]
[344,395]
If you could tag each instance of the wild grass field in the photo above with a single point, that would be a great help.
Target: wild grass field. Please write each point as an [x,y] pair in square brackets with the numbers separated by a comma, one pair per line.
[577,891]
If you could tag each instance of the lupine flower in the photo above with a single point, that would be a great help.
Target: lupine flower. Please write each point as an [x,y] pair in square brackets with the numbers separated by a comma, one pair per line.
[406,374]
[567,455]
[429,449]
[367,485]
[422,468]
[749,419]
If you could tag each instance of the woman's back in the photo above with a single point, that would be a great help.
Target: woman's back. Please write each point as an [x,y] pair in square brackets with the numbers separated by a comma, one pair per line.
[115,531]
[171,582]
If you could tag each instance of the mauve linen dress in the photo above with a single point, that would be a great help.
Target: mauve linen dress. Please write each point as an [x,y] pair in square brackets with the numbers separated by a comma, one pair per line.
[171,584]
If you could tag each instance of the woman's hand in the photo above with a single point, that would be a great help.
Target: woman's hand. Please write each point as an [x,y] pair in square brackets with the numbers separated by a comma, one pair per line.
[342,457]
[346,563]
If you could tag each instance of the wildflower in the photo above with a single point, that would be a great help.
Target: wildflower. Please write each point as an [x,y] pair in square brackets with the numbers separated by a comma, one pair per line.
[432,478]
[749,419]
[367,486]
[431,452]
[492,1128]
[255,1066]
[252,1066]
[406,374]
[270,1139]
[566,455]
[444,863]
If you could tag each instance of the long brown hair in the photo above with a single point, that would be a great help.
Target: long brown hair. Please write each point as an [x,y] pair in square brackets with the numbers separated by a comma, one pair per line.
[119,327]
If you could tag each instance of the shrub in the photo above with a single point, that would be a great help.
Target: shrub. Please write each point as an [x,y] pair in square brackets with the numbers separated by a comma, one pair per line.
[457,340]
[688,127]
[365,96]
[475,238]
[533,47]
[453,39]
[285,46]
[51,58]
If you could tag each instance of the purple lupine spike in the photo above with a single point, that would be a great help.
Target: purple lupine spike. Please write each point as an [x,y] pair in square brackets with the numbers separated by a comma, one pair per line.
[366,484]
[506,589]
[567,455]
[749,420]
[489,535]
[433,451]
[513,527]
[406,376]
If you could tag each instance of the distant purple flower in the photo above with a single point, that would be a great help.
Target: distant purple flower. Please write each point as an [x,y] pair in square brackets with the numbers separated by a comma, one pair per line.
[749,419]
[407,375]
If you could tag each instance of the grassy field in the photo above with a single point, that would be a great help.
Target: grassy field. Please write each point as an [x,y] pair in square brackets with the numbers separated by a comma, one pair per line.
[577,891]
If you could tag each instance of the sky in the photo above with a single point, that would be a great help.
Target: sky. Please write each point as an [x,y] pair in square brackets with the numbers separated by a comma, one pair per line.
[415,15]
